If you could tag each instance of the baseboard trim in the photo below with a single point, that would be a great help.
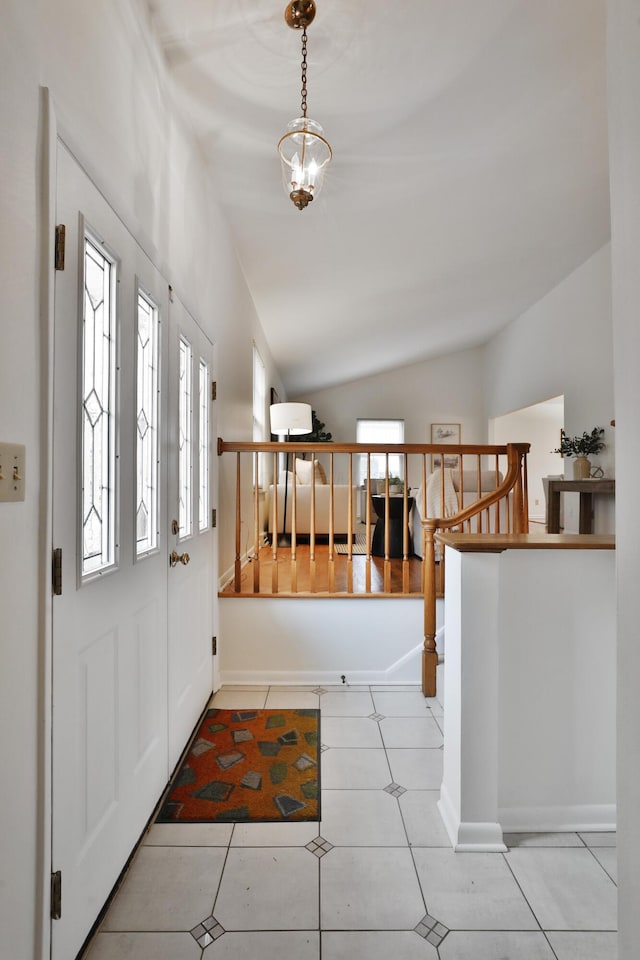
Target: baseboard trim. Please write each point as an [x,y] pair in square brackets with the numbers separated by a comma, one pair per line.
[469,837]
[580,818]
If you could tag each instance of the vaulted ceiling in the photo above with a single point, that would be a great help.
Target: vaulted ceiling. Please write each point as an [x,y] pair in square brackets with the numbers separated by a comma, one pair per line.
[469,175]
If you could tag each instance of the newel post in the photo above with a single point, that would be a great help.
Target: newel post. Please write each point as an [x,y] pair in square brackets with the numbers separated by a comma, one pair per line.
[429,653]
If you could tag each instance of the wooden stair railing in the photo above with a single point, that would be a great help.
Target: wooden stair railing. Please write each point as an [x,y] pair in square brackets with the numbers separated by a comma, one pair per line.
[477,517]
[515,481]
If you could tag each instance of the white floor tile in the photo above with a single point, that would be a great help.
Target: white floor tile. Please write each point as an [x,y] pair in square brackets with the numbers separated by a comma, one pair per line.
[584,946]
[436,707]
[416,769]
[349,704]
[599,839]
[376,945]
[144,946]
[350,732]
[280,945]
[608,858]
[275,888]
[410,732]
[401,704]
[566,888]
[356,769]
[369,889]
[399,688]
[490,945]
[542,840]
[167,888]
[239,699]
[361,818]
[472,891]
[189,835]
[422,819]
[274,834]
[292,700]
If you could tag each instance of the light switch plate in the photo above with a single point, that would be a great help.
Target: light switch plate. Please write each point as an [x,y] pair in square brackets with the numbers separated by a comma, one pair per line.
[12,471]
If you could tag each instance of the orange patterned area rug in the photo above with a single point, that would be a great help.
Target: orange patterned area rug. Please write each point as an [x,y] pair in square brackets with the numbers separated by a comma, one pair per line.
[248,765]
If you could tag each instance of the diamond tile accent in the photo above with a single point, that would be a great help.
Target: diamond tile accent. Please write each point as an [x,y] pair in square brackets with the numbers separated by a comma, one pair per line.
[395,789]
[324,747]
[376,716]
[431,930]
[207,931]
[319,847]
[319,691]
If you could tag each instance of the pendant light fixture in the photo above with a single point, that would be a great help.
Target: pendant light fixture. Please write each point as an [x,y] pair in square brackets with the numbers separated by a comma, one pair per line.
[304,152]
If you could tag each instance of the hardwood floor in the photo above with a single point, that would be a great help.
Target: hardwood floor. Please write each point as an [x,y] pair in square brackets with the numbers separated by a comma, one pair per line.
[315,579]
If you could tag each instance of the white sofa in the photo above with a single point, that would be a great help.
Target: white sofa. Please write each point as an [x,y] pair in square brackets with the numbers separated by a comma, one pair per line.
[470,495]
[303,508]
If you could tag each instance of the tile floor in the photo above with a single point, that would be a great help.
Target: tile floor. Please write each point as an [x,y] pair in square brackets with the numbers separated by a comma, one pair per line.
[376,879]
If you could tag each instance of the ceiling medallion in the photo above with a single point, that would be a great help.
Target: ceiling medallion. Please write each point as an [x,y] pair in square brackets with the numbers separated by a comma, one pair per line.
[304,151]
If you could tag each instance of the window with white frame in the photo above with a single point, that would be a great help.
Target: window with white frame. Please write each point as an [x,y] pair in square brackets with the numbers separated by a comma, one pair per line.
[98,384]
[380,431]
[147,423]
[259,407]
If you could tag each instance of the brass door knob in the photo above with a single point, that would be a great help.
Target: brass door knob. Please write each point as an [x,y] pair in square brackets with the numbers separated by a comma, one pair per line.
[175,558]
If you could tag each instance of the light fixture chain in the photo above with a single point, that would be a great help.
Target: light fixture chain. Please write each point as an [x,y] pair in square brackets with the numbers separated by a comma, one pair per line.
[304,72]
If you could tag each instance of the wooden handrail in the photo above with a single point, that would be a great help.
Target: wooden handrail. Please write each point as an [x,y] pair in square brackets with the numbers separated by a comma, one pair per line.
[516,466]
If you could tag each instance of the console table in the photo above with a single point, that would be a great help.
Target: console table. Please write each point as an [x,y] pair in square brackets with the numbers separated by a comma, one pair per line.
[586,489]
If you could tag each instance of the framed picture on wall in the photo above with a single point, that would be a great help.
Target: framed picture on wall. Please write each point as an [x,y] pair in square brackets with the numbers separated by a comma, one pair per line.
[445,433]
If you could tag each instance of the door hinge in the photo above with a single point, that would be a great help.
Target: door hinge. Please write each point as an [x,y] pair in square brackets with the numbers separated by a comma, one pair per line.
[214,389]
[214,646]
[56,895]
[214,518]
[61,231]
[56,572]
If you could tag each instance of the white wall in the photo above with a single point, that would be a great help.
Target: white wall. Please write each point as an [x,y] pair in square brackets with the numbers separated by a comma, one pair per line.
[540,426]
[114,107]
[562,345]
[624,135]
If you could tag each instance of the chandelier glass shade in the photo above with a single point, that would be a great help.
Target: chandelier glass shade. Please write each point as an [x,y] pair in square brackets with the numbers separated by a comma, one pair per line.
[304,155]
[304,151]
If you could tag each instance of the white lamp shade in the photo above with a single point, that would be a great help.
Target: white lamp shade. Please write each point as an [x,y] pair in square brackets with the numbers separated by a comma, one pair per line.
[290,419]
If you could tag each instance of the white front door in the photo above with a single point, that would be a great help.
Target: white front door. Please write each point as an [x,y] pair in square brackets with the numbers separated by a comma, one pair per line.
[125,692]
[191,540]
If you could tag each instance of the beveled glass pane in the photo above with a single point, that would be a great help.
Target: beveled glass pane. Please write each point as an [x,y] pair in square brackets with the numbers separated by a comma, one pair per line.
[185,453]
[147,424]
[203,486]
[98,468]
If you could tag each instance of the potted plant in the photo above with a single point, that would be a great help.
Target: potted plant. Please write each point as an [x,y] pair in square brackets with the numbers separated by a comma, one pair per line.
[581,447]
[396,486]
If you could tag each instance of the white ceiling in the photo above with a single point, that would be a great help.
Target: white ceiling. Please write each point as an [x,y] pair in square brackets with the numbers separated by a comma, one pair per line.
[469,174]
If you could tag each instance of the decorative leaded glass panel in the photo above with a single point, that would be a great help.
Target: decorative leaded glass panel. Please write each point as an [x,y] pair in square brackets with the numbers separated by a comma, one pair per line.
[147,425]
[185,441]
[98,410]
[203,486]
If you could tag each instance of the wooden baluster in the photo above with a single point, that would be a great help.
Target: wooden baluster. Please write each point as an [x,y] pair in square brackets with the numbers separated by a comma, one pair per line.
[423,512]
[256,525]
[405,527]
[350,526]
[274,529]
[331,562]
[387,561]
[525,496]
[367,572]
[479,491]
[429,653]
[312,530]
[294,534]
[518,506]
[237,576]
[497,504]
